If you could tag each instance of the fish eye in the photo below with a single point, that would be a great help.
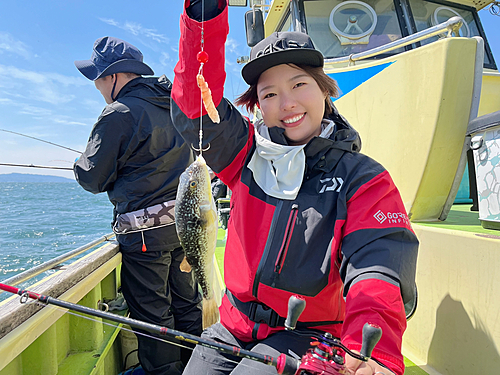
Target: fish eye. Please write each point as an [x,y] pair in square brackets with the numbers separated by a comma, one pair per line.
[193,184]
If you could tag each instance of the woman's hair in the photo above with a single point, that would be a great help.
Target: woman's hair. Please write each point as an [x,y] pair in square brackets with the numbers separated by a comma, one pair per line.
[327,85]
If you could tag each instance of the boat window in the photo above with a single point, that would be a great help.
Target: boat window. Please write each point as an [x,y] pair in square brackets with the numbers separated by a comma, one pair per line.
[427,14]
[341,28]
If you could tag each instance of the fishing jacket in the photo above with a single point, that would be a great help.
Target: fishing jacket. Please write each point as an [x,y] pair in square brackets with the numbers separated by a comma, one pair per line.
[345,244]
[136,156]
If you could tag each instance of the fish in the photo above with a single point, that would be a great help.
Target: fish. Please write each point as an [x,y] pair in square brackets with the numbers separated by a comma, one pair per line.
[196,223]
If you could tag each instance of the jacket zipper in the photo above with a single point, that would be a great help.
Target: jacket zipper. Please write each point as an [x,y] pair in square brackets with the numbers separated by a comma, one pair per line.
[286,240]
[265,255]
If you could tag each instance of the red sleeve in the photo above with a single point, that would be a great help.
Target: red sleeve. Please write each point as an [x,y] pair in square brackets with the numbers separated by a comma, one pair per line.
[379,252]
[378,302]
[185,90]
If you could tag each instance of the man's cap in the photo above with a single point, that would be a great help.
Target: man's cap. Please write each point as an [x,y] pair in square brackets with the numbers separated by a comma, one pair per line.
[112,55]
[288,47]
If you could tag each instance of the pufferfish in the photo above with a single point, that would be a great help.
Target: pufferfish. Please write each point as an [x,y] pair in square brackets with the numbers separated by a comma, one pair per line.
[197,226]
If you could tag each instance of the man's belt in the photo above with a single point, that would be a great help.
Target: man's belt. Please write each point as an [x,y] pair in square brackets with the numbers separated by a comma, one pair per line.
[260,313]
[156,216]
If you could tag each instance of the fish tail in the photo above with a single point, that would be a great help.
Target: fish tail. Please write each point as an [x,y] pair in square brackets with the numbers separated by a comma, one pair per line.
[210,312]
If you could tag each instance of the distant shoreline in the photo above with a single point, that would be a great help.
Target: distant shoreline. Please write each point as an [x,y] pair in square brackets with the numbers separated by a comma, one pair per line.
[27,177]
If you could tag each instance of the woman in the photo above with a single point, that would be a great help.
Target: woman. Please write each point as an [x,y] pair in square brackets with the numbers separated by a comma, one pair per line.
[309,213]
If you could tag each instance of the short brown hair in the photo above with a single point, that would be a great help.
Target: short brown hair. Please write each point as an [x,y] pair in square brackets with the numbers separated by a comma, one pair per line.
[327,85]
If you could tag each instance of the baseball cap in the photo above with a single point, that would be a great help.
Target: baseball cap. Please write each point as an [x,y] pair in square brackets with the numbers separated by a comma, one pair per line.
[288,47]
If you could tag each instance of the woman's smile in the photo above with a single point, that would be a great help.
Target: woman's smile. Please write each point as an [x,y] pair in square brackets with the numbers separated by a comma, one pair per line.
[293,121]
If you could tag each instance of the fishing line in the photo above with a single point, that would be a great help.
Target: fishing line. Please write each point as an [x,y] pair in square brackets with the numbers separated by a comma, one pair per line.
[41,140]
[200,71]
[64,161]
[34,166]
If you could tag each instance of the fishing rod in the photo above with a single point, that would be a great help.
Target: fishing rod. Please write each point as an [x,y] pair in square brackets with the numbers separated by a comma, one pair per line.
[325,357]
[41,140]
[284,364]
[34,166]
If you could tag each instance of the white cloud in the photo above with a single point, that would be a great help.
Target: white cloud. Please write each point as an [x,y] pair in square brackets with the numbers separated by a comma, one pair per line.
[232,45]
[66,121]
[165,59]
[6,101]
[39,86]
[93,104]
[137,29]
[34,111]
[11,45]
[109,21]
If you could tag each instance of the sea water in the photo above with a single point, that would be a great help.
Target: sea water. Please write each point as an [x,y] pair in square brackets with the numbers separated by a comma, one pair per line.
[41,221]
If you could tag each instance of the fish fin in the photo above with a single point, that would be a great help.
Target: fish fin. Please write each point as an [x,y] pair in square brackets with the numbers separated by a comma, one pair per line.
[185,266]
[210,312]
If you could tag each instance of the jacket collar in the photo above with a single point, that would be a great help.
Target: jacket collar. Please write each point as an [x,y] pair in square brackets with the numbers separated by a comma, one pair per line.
[324,153]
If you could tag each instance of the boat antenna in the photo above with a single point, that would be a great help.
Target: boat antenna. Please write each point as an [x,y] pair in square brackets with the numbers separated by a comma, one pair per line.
[41,140]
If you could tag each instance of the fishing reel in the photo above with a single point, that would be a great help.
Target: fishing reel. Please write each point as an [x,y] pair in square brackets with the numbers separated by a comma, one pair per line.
[327,353]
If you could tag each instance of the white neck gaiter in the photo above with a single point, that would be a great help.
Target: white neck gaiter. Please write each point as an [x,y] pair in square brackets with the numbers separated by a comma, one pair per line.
[279,169]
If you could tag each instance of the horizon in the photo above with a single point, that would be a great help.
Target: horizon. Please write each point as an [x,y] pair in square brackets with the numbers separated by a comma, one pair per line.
[34,175]
[43,95]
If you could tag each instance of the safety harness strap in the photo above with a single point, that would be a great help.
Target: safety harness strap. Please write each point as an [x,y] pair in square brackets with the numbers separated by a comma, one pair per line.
[260,313]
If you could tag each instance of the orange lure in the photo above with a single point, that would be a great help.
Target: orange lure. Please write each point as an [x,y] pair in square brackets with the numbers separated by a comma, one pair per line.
[206,94]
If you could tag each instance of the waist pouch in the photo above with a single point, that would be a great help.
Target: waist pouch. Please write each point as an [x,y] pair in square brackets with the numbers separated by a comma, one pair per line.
[159,215]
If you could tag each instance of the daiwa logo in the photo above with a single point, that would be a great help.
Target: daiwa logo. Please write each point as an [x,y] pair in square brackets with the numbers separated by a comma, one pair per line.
[331,184]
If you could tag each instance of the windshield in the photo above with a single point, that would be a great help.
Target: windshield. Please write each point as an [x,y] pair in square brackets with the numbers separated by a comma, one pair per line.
[427,14]
[341,28]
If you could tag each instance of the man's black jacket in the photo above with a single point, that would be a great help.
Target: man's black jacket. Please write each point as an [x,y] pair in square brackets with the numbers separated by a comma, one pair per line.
[135,155]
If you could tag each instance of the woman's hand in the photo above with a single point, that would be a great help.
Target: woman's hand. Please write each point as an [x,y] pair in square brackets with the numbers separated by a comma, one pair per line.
[358,367]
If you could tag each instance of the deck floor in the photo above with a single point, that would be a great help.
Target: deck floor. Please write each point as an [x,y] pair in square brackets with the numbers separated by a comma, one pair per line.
[463,219]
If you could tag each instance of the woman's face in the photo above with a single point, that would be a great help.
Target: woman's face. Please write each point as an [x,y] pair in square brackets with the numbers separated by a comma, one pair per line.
[291,99]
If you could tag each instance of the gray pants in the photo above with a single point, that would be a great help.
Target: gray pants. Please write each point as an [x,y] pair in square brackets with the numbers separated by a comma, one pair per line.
[211,362]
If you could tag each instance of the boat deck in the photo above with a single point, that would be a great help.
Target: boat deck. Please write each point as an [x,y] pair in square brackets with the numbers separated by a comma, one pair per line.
[461,218]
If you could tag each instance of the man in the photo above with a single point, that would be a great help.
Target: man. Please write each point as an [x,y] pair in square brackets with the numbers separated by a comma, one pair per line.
[136,156]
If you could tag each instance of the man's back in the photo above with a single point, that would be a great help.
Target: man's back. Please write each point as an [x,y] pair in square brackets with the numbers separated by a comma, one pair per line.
[137,155]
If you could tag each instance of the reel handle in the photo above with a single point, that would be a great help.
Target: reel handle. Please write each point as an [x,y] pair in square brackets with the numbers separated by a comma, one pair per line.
[296,305]
[371,335]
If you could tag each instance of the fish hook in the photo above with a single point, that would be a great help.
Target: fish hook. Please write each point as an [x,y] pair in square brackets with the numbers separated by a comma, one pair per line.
[199,149]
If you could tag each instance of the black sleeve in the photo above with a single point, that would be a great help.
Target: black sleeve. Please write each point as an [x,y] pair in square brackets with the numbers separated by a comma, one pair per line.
[212,8]
[97,169]
[219,190]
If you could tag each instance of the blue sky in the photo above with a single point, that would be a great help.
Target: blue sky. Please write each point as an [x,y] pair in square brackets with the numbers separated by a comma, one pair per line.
[43,95]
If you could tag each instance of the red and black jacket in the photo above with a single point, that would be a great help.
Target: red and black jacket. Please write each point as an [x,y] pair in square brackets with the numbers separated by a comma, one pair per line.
[345,243]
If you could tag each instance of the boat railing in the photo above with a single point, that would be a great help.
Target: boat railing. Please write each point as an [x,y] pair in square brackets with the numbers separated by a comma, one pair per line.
[450,26]
[35,271]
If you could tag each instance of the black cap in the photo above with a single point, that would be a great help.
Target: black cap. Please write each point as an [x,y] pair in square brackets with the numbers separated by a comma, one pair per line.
[288,47]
